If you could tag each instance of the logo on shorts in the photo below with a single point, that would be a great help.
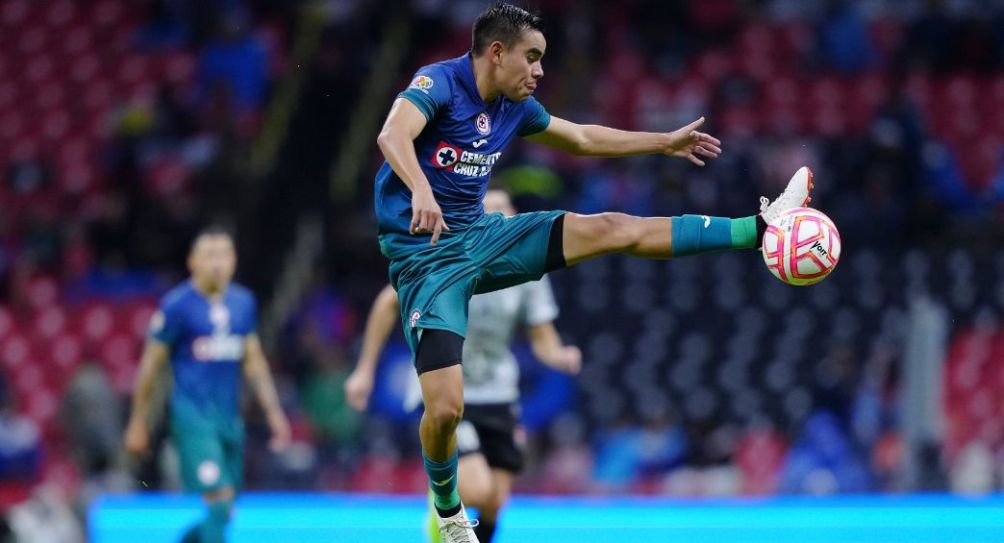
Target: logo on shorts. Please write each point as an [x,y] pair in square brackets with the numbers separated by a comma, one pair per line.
[483,124]
[208,472]
[422,83]
[413,319]
[445,155]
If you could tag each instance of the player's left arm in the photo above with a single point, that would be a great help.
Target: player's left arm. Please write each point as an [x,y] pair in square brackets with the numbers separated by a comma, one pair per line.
[601,141]
[259,378]
[549,349]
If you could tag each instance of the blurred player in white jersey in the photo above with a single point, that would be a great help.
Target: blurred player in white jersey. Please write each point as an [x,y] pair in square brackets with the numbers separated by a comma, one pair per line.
[490,454]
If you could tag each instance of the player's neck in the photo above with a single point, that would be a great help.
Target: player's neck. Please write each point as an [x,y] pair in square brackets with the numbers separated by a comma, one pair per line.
[482,78]
[210,291]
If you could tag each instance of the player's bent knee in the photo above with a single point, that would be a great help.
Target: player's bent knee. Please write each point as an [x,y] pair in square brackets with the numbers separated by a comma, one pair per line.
[445,412]
[219,495]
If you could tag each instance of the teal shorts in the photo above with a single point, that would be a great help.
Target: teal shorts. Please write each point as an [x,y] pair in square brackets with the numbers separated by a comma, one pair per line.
[209,459]
[434,283]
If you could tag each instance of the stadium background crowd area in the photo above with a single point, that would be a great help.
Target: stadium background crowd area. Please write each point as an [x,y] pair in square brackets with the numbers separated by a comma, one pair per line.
[124,126]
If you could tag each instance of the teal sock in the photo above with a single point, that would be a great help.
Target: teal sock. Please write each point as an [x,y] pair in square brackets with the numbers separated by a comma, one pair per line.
[214,527]
[443,482]
[696,234]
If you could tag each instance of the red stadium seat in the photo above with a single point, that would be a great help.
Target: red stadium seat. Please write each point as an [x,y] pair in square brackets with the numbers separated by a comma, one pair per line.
[15,351]
[66,352]
[43,291]
[39,70]
[13,13]
[85,68]
[78,41]
[139,315]
[713,64]
[60,13]
[7,323]
[179,68]
[107,13]
[96,321]
[32,41]
[49,322]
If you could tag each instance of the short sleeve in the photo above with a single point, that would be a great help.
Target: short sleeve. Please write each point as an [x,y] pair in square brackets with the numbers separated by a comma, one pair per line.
[165,324]
[430,90]
[252,314]
[539,306]
[535,118]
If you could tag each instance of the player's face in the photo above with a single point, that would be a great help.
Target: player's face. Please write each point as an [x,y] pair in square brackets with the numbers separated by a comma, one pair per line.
[498,201]
[213,261]
[520,68]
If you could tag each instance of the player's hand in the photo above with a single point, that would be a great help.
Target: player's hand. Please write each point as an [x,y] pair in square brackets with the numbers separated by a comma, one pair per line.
[426,216]
[279,425]
[570,358]
[358,388]
[690,144]
[137,438]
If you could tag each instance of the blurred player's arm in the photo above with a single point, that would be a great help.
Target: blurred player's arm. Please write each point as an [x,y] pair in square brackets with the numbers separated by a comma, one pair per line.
[397,142]
[549,349]
[259,378]
[595,140]
[137,435]
[379,324]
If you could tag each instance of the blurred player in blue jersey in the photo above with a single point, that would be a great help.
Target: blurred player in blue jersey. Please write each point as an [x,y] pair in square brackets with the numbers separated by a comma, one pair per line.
[207,328]
[490,453]
[443,135]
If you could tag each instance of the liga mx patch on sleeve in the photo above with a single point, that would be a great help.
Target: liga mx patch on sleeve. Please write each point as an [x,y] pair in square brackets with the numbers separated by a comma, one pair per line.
[422,83]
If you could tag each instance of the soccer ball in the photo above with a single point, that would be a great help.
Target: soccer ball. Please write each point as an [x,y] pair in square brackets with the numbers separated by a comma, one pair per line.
[801,246]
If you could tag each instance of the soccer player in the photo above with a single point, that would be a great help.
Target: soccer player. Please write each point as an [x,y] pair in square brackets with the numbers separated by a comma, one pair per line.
[489,455]
[440,140]
[206,327]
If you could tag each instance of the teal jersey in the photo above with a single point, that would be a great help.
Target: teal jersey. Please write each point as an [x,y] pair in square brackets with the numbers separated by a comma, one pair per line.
[457,150]
[206,339]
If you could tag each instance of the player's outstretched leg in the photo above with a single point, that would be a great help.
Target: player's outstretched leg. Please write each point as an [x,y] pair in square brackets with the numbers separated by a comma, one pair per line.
[586,236]
[437,359]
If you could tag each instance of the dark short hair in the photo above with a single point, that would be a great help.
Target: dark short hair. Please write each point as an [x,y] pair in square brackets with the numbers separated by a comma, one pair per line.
[212,230]
[504,23]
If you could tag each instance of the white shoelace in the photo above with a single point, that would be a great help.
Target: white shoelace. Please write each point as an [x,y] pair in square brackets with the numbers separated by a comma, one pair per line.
[456,529]
[764,204]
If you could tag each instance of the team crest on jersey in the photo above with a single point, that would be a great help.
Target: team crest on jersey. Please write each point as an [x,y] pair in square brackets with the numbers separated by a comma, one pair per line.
[483,124]
[413,319]
[445,155]
[422,83]
[219,315]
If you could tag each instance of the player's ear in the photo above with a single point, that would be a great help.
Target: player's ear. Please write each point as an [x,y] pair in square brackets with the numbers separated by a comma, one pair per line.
[495,50]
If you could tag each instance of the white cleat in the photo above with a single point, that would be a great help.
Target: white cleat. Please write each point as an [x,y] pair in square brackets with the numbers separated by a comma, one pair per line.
[457,529]
[796,194]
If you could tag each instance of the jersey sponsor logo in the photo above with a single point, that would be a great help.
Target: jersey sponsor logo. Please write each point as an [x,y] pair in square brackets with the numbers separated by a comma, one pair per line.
[413,318]
[479,143]
[483,124]
[445,155]
[452,159]
[422,83]
[218,348]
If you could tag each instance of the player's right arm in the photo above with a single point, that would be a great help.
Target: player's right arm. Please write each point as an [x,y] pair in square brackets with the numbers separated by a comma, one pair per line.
[137,435]
[379,324]
[397,142]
